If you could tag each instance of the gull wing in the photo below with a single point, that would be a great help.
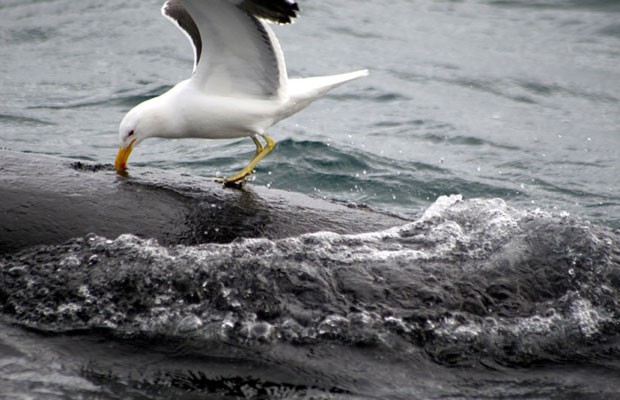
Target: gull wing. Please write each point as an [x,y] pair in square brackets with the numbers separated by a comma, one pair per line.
[236,52]
[175,12]
[280,11]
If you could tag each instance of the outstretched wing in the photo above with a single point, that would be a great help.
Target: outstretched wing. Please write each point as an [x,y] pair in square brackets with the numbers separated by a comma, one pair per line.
[175,12]
[236,52]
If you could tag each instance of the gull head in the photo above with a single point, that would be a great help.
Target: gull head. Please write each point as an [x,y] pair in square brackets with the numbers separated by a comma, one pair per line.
[143,121]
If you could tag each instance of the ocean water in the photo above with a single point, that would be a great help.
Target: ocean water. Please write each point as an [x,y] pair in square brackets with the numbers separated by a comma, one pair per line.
[493,126]
[517,100]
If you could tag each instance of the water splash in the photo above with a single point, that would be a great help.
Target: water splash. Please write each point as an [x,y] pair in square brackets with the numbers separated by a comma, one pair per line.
[469,280]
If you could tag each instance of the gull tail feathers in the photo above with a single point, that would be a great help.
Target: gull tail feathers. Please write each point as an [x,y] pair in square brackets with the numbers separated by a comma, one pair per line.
[303,91]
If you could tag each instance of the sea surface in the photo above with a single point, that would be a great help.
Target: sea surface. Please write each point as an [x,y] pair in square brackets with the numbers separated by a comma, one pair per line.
[493,126]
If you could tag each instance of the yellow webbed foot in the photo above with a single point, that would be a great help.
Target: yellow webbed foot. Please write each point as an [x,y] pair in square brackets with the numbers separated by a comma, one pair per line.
[241,176]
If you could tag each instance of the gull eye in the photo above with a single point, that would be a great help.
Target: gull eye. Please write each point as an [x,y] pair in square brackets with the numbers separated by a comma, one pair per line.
[130,133]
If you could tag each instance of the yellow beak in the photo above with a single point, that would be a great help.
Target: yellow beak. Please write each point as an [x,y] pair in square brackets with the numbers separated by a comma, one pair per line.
[123,155]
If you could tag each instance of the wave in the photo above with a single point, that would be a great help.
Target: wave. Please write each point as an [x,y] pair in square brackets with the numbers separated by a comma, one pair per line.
[403,186]
[470,281]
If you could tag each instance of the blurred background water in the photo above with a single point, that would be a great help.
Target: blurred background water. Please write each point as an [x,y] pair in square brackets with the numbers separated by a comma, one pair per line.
[517,100]
[511,99]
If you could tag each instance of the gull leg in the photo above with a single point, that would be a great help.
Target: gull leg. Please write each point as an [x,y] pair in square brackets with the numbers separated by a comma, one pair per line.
[259,147]
[261,152]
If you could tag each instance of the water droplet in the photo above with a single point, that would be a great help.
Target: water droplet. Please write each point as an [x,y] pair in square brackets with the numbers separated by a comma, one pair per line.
[189,323]
[70,261]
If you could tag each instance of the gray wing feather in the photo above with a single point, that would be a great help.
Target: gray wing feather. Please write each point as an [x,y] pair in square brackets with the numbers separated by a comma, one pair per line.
[174,11]
[240,53]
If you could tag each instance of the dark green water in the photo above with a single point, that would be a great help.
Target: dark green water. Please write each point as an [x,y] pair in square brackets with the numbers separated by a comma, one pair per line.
[510,100]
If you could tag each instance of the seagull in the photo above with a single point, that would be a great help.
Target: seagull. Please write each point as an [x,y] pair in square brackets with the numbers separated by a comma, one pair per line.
[239,86]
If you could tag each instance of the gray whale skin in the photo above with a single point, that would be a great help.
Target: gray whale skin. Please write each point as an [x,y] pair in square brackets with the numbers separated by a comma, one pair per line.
[48,200]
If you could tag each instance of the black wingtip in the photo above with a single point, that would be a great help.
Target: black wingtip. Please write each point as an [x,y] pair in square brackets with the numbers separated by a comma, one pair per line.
[279,11]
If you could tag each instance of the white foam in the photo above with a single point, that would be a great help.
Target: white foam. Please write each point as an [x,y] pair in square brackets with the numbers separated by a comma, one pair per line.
[442,203]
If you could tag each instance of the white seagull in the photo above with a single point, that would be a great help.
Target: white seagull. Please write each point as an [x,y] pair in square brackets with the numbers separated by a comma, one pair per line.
[239,86]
